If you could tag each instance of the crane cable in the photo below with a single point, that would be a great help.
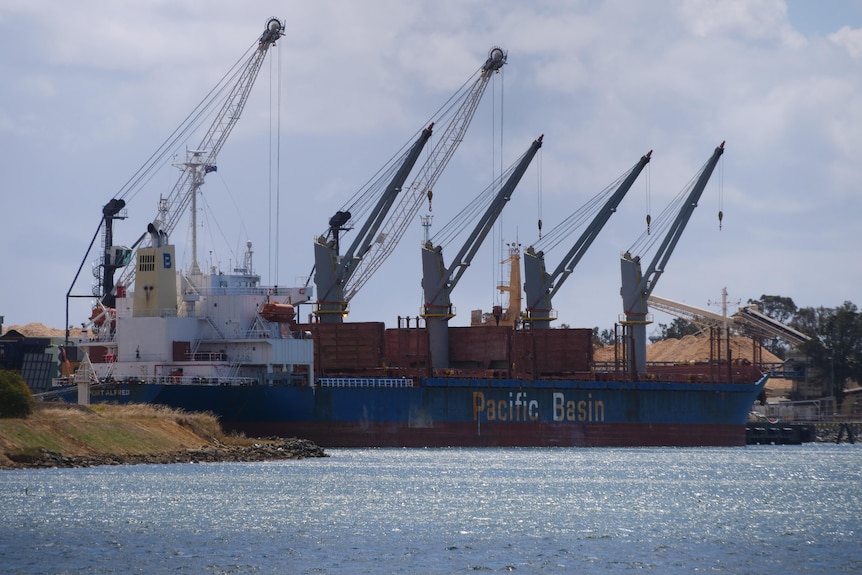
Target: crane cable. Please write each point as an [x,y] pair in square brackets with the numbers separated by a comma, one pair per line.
[188,126]
[539,188]
[470,213]
[273,250]
[648,189]
[269,232]
[720,194]
[665,219]
[497,266]
[579,218]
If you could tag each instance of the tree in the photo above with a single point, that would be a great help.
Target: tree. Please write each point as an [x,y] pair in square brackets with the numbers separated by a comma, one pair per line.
[678,329]
[835,347]
[15,397]
[777,307]
[606,337]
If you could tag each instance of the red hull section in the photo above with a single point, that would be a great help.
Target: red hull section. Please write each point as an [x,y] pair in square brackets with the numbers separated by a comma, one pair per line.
[486,434]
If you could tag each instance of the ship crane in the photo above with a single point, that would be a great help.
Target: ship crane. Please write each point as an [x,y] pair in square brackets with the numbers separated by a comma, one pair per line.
[229,97]
[636,286]
[540,287]
[387,205]
[438,281]
[334,269]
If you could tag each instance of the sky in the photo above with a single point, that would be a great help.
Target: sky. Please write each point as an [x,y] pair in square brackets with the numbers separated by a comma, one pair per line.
[91,89]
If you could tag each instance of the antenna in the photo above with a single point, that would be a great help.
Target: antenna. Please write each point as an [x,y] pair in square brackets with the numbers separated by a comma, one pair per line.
[723,304]
[426,223]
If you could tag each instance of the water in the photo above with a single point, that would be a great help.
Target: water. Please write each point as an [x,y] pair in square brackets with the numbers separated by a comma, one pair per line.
[786,510]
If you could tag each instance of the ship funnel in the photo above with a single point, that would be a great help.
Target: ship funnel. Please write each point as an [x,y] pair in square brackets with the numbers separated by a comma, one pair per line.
[159,237]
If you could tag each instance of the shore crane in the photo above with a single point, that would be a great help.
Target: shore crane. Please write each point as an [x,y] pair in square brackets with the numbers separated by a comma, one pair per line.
[636,286]
[540,287]
[229,96]
[438,281]
[338,277]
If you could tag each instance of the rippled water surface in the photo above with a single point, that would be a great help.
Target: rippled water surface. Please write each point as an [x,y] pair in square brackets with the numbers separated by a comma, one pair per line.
[787,510]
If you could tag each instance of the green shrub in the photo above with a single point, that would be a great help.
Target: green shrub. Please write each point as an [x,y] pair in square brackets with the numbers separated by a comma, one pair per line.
[15,397]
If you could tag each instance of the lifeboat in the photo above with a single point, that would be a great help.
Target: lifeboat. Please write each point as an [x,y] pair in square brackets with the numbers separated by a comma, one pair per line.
[100,315]
[278,312]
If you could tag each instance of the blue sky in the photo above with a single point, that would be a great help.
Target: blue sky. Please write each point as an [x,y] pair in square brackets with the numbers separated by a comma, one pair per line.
[91,90]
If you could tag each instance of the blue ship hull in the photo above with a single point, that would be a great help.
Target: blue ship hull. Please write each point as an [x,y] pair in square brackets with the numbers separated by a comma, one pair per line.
[441,412]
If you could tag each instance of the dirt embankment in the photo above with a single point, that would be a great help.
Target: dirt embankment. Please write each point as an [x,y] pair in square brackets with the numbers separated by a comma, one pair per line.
[65,435]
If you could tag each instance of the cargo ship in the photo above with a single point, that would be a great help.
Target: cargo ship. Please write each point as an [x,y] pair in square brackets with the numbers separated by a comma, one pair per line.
[224,343]
[204,339]
[233,347]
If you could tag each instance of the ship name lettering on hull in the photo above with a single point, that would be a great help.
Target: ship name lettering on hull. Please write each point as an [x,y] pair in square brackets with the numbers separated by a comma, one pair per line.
[519,407]
[583,410]
[108,392]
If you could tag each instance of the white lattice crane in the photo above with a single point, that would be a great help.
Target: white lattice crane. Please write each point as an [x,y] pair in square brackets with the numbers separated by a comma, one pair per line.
[202,160]
[224,103]
[340,276]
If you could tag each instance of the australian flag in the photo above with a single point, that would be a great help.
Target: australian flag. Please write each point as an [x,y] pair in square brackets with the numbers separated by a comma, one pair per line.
[210,168]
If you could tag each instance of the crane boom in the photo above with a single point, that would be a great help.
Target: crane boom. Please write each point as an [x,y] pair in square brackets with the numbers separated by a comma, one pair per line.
[202,160]
[198,163]
[637,286]
[438,281]
[541,287]
[332,270]
[392,221]
[406,210]
[438,284]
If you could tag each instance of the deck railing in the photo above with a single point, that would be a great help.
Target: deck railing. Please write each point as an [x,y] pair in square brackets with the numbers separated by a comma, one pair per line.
[364,382]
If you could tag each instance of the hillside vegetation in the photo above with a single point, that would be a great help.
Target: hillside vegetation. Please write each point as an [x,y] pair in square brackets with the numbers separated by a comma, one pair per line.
[67,435]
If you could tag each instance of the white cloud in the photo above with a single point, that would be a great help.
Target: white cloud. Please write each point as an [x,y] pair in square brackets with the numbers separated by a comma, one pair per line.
[92,92]
[850,39]
[765,20]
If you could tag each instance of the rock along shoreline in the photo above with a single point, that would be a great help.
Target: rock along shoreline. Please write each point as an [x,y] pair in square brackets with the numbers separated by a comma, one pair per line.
[265,450]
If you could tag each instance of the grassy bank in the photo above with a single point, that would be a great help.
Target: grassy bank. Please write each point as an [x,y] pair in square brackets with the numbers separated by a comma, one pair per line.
[123,433]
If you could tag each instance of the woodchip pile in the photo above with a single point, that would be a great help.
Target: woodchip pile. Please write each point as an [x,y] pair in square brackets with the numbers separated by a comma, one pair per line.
[41,330]
[691,349]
